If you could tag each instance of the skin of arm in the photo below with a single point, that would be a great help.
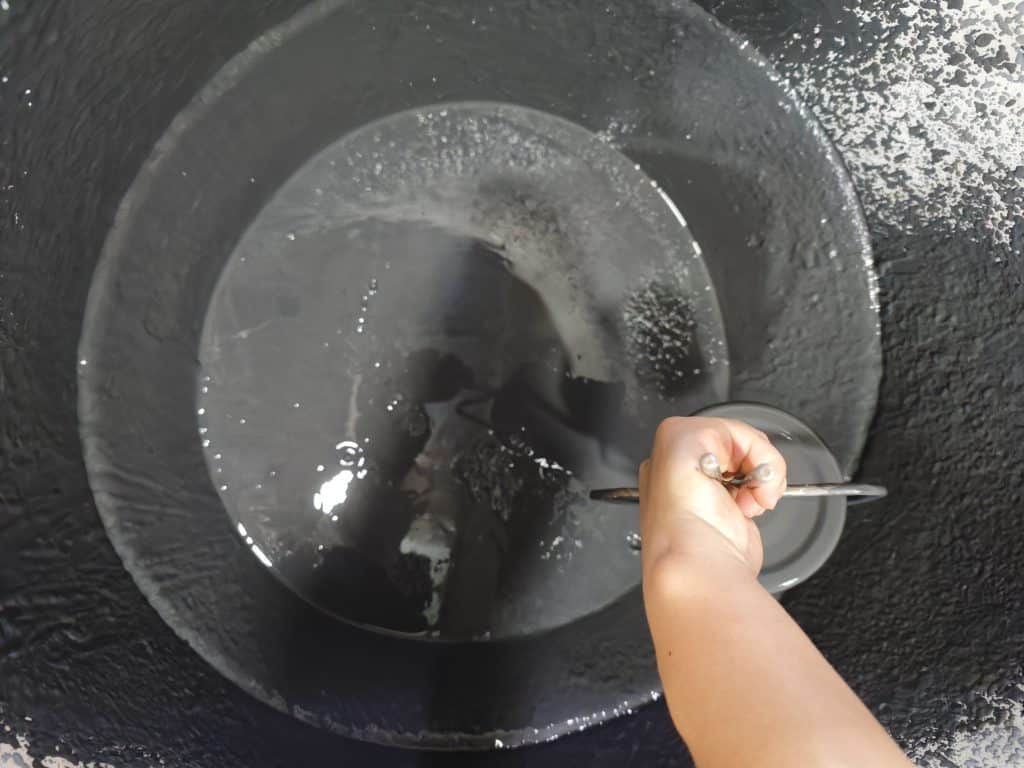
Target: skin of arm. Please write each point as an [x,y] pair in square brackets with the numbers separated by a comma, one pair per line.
[744,685]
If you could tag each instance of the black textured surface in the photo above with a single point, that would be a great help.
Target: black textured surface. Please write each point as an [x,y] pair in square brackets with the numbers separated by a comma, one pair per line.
[920,607]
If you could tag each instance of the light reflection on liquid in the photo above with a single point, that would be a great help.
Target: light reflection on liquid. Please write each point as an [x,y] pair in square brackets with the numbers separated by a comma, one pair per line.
[476,337]
[260,554]
[334,492]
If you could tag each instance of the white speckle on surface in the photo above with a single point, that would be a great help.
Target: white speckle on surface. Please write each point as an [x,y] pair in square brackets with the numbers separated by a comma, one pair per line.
[946,87]
[998,742]
[18,756]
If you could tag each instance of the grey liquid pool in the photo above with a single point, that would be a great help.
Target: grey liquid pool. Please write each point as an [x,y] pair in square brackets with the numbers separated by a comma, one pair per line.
[428,345]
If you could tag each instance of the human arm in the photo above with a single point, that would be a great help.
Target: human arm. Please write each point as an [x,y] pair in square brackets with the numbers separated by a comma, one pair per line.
[744,685]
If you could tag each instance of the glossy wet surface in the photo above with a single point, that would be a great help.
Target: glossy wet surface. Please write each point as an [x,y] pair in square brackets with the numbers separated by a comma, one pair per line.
[427,347]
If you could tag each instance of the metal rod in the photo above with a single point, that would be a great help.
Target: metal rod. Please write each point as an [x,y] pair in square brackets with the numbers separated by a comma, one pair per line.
[632,495]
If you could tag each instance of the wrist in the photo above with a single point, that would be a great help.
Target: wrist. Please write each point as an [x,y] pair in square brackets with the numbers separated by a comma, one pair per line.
[700,546]
[684,574]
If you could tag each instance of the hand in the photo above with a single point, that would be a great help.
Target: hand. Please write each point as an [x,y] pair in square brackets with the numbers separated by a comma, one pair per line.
[684,512]
[711,622]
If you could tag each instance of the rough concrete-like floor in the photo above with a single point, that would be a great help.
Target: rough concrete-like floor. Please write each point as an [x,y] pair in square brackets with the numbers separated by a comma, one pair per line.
[921,606]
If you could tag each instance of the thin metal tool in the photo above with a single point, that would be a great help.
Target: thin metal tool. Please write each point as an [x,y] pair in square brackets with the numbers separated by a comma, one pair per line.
[709,466]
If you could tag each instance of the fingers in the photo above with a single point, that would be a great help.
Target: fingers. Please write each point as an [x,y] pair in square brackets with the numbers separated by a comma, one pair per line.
[674,470]
[684,506]
[748,504]
[752,453]
[680,458]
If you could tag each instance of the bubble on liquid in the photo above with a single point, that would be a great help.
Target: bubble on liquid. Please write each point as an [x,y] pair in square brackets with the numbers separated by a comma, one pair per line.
[349,453]
[661,332]
[506,475]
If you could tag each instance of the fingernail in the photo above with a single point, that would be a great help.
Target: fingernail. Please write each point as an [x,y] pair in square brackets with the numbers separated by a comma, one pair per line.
[763,473]
[709,466]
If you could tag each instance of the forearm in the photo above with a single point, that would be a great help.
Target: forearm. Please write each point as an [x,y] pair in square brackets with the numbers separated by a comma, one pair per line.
[744,684]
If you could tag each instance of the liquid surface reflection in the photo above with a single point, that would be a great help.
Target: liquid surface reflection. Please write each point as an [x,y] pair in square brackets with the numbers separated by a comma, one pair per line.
[429,345]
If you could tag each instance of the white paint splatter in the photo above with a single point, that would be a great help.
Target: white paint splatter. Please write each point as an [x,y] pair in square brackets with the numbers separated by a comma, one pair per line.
[17,756]
[999,742]
[926,103]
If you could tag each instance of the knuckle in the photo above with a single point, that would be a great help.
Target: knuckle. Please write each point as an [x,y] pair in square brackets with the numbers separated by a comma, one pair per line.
[706,436]
[668,429]
[783,467]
